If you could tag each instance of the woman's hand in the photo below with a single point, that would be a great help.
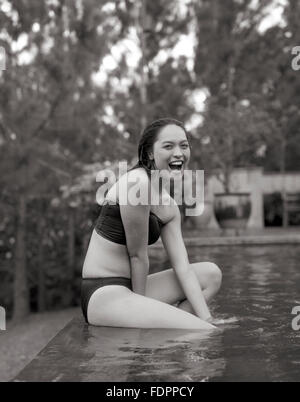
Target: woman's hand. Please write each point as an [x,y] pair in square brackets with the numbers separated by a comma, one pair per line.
[215,321]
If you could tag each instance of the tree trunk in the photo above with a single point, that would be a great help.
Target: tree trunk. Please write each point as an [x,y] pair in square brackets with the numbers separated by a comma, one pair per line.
[41,265]
[21,293]
[71,253]
[143,75]
[283,190]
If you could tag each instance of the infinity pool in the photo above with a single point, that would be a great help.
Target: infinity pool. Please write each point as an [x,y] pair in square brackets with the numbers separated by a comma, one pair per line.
[261,285]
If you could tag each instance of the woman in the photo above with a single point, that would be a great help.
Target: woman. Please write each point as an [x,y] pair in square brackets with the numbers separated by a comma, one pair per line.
[116,288]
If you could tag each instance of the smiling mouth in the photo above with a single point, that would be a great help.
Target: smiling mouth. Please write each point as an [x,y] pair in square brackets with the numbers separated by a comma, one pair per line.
[176,165]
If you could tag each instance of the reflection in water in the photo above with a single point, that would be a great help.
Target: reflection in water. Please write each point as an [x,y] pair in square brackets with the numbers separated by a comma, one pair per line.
[152,355]
[184,356]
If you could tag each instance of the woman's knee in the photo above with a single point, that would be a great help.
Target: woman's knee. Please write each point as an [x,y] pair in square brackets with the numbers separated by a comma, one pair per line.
[215,275]
[209,275]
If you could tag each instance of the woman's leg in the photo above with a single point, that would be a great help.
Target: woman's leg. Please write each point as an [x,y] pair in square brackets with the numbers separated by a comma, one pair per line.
[117,306]
[164,286]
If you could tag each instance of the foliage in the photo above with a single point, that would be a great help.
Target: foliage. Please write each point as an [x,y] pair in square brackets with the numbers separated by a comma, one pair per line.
[239,62]
[233,138]
[52,241]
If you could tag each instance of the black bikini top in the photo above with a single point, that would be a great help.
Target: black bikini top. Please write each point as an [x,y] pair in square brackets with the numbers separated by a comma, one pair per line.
[110,226]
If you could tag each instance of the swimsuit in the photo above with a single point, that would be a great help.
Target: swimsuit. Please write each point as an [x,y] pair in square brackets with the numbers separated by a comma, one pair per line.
[109,225]
[90,285]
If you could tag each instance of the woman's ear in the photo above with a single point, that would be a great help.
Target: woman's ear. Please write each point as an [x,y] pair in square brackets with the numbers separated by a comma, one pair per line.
[151,157]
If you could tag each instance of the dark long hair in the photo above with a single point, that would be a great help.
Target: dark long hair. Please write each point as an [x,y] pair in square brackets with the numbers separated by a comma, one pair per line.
[148,138]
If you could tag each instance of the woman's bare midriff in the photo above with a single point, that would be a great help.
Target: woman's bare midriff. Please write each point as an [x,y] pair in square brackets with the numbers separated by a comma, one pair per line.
[105,258]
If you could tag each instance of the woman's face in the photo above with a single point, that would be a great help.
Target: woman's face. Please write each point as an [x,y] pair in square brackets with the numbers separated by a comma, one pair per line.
[171,150]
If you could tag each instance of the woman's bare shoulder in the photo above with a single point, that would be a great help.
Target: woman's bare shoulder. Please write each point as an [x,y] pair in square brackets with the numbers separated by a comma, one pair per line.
[138,173]
[137,178]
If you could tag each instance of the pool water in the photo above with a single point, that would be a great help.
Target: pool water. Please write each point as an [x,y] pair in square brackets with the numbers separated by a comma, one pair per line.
[261,285]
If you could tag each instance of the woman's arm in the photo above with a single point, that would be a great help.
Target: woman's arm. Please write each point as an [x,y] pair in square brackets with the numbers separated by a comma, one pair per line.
[173,242]
[135,220]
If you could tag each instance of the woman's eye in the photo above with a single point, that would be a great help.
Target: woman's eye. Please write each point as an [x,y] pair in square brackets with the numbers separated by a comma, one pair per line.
[168,147]
[184,146]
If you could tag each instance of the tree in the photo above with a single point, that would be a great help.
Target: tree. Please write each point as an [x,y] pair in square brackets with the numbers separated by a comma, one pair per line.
[157,86]
[48,105]
[233,138]
[236,61]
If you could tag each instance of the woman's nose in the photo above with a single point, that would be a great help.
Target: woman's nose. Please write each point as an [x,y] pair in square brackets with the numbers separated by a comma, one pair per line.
[177,151]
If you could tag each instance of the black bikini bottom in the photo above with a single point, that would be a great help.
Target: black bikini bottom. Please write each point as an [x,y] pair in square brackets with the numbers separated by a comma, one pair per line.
[90,285]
